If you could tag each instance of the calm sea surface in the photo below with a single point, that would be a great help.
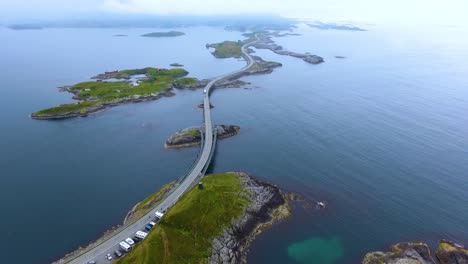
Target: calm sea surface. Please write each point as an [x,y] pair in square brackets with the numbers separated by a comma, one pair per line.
[381,136]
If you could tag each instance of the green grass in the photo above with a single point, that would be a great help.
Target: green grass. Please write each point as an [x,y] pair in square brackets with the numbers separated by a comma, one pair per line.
[186,232]
[102,91]
[185,81]
[61,109]
[144,206]
[227,49]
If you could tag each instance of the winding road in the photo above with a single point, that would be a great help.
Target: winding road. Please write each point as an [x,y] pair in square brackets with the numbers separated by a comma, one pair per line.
[99,252]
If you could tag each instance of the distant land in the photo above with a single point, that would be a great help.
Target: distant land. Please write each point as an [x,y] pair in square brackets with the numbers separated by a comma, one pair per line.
[164,34]
[25,27]
[327,26]
[235,22]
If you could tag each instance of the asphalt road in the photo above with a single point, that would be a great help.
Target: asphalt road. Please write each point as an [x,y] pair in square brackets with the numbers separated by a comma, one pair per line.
[99,252]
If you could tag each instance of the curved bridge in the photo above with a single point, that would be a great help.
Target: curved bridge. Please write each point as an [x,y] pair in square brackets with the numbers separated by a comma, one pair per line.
[98,252]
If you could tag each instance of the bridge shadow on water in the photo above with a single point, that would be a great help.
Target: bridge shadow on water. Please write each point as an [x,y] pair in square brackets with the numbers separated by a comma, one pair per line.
[212,166]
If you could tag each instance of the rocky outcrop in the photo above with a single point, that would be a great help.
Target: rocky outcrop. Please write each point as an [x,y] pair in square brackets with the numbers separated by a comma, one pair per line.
[419,253]
[449,252]
[267,206]
[402,253]
[192,136]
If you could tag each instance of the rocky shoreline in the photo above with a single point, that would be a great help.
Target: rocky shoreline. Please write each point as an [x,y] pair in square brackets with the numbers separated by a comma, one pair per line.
[103,106]
[268,206]
[192,136]
[448,252]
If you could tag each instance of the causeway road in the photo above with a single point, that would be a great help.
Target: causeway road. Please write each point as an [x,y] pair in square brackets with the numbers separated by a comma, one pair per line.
[99,252]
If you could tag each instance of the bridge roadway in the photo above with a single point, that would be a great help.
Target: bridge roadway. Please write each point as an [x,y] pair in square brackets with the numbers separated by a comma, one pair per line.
[99,252]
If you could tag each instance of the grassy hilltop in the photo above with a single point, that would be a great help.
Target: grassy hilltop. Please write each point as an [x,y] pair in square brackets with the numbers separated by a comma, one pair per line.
[186,232]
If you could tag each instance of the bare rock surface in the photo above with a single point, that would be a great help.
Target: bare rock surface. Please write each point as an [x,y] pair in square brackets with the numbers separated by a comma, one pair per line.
[267,206]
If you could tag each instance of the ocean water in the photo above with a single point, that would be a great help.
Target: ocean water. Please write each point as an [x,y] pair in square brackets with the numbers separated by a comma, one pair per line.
[381,136]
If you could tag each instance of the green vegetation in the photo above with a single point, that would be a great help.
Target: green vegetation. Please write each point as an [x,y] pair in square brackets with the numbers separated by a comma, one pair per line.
[164,34]
[194,132]
[67,108]
[227,49]
[186,232]
[144,206]
[185,81]
[98,92]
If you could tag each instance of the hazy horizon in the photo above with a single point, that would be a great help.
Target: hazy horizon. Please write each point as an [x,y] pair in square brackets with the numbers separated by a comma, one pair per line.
[417,12]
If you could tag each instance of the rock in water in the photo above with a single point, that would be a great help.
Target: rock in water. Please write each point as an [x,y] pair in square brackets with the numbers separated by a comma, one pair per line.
[402,253]
[192,136]
[450,253]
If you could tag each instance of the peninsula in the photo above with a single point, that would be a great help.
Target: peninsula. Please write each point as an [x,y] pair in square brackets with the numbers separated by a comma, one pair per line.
[164,34]
[213,223]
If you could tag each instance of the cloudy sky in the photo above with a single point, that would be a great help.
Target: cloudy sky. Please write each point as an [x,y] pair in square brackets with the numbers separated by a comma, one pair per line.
[371,11]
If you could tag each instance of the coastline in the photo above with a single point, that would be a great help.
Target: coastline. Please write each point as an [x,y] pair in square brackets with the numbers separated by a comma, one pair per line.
[269,205]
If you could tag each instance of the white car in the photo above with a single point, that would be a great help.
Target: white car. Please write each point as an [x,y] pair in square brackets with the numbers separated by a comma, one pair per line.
[108,256]
[130,241]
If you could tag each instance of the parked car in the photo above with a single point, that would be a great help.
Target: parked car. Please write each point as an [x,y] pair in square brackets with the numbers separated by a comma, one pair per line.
[108,256]
[130,241]
[92,262]
[117,253]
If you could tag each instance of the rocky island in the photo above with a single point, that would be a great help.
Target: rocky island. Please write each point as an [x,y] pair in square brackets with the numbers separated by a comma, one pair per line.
[232,49]
[328,26]
[115,88]
[265,42]
[192,136]
[447,252]
[163,34]
[215,223]
[176,65]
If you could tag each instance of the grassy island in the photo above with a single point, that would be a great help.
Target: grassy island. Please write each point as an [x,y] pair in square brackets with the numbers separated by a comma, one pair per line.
[164,34]
[93,95]
[227,49]
[186,232]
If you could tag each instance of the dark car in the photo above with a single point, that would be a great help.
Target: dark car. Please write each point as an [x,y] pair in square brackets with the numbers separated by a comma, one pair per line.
[117,253]
[136,239]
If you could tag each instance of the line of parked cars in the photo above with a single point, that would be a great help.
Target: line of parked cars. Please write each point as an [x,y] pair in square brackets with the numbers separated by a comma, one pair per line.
[127,244]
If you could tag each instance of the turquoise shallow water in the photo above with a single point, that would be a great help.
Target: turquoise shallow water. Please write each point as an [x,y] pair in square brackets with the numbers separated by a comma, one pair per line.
[381,136]
[320,250]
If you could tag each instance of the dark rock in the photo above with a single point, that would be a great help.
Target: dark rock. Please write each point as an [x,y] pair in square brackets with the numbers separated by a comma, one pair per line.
[313,59]
[449,252]
[203,106]
[266,200]
[402,253]
[192,136]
